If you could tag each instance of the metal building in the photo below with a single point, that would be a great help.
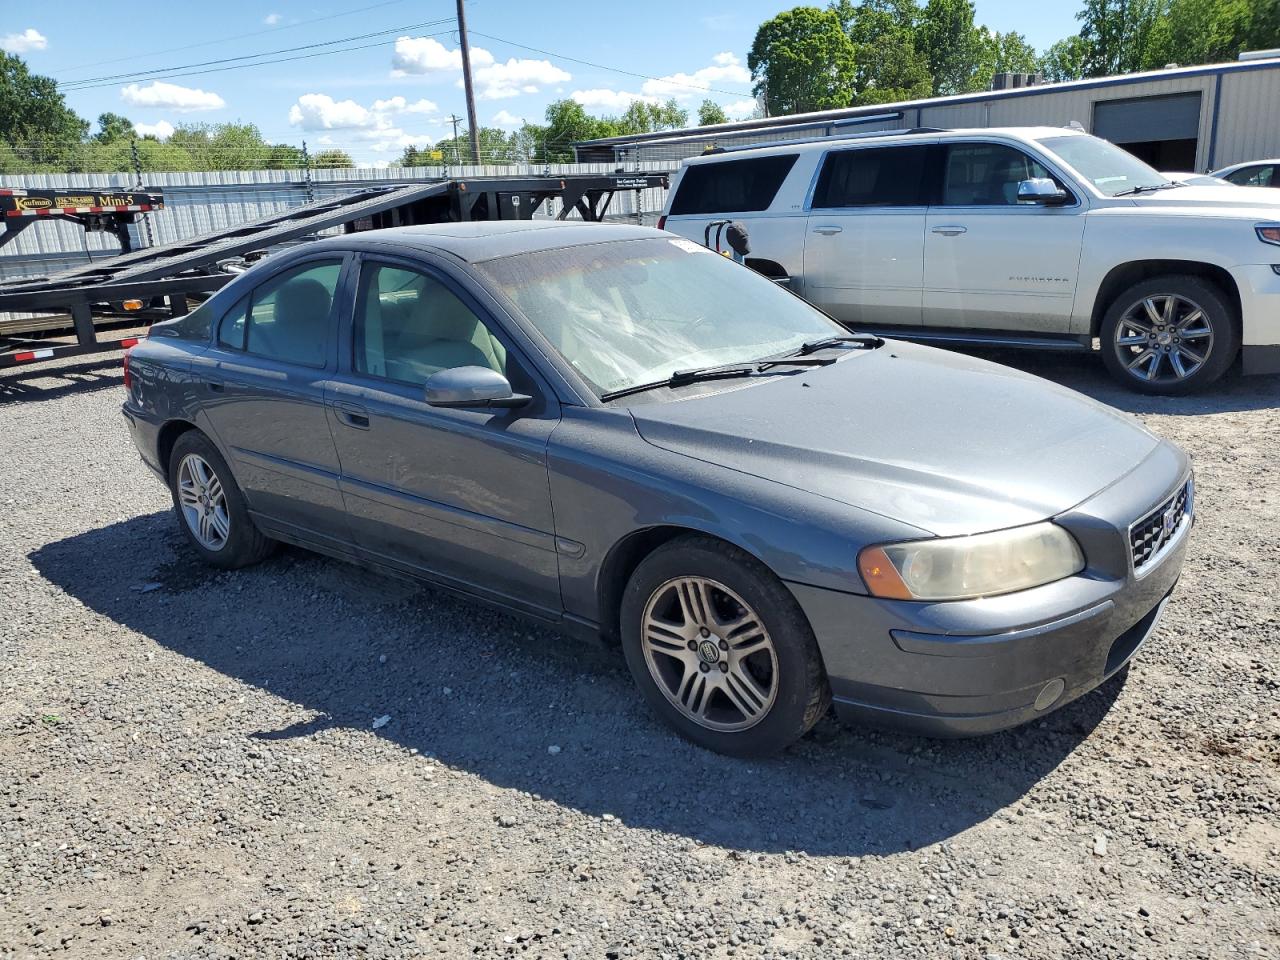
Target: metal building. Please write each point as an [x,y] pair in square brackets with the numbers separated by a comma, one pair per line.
[1182,118]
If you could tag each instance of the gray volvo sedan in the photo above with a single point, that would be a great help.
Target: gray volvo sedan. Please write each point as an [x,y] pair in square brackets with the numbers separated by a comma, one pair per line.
[618,432]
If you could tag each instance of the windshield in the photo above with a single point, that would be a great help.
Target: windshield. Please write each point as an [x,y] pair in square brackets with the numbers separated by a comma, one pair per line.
[1112,170]
[632,312]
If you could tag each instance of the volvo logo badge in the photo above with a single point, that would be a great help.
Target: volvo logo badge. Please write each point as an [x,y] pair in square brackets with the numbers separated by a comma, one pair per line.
[708,651]
[1169,522]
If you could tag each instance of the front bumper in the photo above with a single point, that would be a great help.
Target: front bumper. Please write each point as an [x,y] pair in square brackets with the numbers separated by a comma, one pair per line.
[972,667]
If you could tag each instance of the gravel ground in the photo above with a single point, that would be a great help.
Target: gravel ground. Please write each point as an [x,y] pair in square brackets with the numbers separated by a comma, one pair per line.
[308,760]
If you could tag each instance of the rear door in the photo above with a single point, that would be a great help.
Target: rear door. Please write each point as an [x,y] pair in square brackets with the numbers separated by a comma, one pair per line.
[263,389]
[992,263]
[864,248]
[455,494]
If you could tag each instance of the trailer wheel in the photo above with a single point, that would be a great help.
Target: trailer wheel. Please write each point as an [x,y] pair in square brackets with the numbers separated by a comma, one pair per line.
[210,508]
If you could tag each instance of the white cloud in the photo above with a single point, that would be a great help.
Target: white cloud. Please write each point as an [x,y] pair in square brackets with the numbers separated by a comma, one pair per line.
[271,19]
[739,109]
[171,96]
[418,55]
[499,81]
[400,105]
[614,101]
[725,68]
[24,42]
[504,118]
[161,129]
[319,111]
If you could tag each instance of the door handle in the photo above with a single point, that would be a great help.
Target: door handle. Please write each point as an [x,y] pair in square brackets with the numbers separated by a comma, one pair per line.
[951,230]
[828,230]
[215,386]
[353,415]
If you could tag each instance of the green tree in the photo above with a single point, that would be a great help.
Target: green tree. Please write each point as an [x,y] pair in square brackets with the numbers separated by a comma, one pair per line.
[527,143]
[1264,25]
[112,126]
[641,117]
[1197,31]
[1117,33]
[332,159]
[888,64]
[35,119]
[802,60]
[1003,53]
[1066,59]
[951,45]
[710,112]
[568,123]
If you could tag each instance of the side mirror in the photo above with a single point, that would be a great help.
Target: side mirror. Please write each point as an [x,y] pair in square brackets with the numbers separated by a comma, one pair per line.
[1041,190]
[471,387]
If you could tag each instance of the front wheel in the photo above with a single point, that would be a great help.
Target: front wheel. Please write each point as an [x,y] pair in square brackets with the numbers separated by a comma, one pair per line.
[1170,335]
[721,650]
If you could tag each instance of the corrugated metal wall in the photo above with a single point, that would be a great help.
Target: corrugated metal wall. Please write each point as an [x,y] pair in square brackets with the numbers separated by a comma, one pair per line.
[197,203]
[1248,118]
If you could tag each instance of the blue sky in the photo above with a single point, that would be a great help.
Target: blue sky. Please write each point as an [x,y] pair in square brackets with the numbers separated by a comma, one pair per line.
[405,83]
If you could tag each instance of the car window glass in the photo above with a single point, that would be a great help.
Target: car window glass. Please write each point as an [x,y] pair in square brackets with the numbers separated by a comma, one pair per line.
[231,329]
[731,186]
[290,316]
[409,325]
[986,174]
[1253,176]
[873,177]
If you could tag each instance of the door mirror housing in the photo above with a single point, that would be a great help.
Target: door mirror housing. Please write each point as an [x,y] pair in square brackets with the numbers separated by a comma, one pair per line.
[1043,191]
[477,387]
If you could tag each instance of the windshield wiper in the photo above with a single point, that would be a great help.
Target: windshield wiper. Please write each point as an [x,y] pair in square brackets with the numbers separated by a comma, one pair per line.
[682,378]
[1149,187]
[863,339]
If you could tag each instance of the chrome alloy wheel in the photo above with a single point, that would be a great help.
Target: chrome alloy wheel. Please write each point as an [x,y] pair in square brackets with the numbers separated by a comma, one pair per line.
[203,502]
[710,654]
[1163,338]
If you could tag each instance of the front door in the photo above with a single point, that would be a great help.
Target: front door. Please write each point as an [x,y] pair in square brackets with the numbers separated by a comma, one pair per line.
[992,263]
[263,391]
[460,495]
[864,249]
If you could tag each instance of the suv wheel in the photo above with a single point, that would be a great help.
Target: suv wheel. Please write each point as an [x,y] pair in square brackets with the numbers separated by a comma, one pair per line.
[210,507]
[1170,335]
[721,650]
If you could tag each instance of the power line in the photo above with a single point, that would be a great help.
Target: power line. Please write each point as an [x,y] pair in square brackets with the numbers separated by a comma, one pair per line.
[238,36]
[601,66]
[93,82]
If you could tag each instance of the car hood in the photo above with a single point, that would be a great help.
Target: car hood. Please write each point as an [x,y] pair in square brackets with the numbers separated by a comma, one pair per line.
[946,443]
[1246,201]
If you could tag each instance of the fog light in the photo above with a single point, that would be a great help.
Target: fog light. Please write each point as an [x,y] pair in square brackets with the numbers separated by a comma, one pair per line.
[1050,693]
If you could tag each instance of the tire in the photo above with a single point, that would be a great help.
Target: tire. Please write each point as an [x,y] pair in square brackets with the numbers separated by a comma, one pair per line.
[1158,356]
[757,649]
[201,485]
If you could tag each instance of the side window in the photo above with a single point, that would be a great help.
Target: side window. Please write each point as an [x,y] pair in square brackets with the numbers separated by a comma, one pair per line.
[1254,177]
[231,328]
[409,325]
[731,186]
[986,174]
[873,177]
[289,317]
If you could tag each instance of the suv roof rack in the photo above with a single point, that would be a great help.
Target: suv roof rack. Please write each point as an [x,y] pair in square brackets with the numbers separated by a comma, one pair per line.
[914,131]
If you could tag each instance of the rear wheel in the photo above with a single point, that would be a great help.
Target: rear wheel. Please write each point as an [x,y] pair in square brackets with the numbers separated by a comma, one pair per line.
[721,650]
[1170,335]
[210,507]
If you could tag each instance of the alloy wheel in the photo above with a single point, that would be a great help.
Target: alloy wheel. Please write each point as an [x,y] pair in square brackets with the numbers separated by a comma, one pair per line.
[710,654]
[1163,338]
[203,502]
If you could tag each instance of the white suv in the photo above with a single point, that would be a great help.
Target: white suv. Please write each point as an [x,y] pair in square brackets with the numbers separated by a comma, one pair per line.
[1021,237]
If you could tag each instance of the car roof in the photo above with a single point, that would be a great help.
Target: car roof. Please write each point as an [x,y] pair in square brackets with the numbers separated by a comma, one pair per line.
[1245,163]
[490,239]
[880,137]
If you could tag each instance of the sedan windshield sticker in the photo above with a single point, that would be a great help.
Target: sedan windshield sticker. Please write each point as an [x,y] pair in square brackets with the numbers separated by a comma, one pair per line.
[688,246]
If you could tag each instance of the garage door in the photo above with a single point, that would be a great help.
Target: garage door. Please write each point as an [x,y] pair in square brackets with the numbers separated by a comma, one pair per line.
[1145,119]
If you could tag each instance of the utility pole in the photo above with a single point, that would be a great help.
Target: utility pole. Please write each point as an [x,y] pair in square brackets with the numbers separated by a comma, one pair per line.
[466,83]
[454,118]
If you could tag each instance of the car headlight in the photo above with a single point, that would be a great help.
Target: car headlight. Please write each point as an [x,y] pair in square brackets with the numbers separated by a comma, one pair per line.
[962,568]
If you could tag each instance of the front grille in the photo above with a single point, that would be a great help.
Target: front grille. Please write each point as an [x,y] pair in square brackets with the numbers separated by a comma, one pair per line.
[1149,535]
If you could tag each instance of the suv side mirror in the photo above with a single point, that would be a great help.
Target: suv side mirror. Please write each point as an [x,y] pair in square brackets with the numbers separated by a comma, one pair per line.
[1041,190]
[471,387]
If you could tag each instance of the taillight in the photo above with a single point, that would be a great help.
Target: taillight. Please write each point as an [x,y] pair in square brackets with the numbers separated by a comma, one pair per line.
[128,377]
[662,222]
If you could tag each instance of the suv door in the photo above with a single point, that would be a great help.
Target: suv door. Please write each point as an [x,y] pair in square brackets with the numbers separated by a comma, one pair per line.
[460,495]
[263,392]
[864,249]
[991,262]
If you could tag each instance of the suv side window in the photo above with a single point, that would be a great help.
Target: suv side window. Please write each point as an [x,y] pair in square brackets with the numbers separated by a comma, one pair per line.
[409,325]
[986,174]
[1263,176]
[873,177]
[732,186]
[289,315]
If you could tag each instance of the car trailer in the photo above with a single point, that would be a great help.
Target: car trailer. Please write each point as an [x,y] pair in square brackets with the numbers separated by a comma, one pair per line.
[158,283]
[94,210]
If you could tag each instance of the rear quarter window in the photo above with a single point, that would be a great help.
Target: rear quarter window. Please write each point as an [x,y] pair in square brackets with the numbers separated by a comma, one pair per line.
[731,186]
